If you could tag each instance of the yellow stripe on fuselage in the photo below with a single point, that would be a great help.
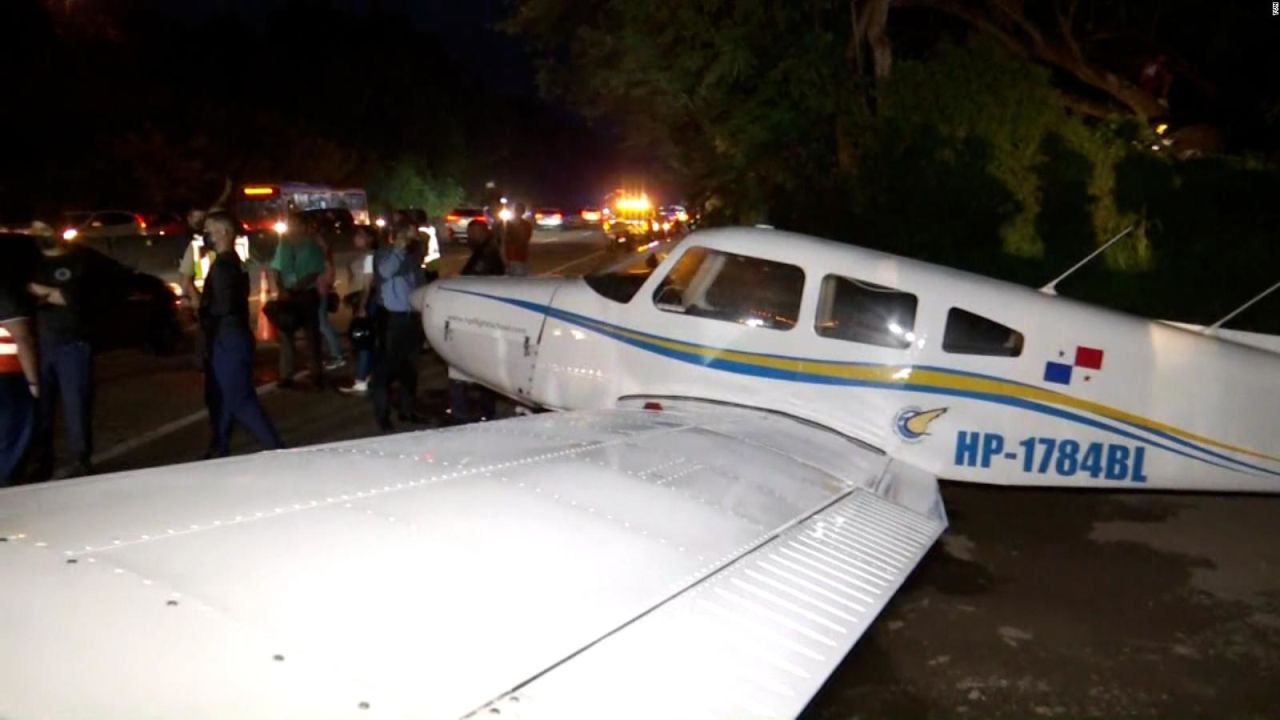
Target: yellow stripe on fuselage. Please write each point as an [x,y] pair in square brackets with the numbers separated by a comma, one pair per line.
[892,375]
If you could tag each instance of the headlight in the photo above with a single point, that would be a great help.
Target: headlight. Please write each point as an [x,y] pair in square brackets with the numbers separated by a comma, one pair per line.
[505,215]
[176,288]
[281,227]
[70,234]
[380,222]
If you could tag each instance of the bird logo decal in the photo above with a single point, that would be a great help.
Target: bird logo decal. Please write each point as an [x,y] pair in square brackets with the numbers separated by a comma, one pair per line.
[912,423]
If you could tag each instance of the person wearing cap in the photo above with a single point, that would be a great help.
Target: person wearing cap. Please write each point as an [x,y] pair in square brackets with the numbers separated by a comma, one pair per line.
[19,367]
[224,313]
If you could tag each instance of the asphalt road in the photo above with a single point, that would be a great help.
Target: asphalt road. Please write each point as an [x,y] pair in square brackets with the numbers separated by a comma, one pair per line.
[1036,603]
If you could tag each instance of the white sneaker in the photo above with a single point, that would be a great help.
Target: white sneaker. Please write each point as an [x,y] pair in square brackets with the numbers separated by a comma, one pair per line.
[359,387]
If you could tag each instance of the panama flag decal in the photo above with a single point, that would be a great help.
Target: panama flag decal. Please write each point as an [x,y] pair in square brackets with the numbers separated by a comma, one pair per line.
[1061,372]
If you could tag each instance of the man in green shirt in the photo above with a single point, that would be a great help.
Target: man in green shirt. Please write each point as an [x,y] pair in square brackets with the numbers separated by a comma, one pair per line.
[298,262]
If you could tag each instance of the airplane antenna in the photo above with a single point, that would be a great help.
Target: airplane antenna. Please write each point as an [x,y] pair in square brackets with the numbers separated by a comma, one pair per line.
[1050,289]
[1242,308]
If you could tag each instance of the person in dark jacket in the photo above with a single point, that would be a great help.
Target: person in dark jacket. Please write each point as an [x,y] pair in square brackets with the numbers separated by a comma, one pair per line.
[224,313]
[486,259]
[486,256]
[72,283]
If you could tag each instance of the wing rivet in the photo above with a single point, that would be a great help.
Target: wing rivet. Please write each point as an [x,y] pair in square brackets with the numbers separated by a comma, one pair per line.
[171,603]
[277,657]
[72,561]
[495,711]
[363,706]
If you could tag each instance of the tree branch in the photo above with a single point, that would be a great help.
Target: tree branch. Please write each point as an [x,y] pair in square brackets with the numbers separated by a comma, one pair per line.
[1064,55]
[1087,108]
[1019,18]
[1065,27]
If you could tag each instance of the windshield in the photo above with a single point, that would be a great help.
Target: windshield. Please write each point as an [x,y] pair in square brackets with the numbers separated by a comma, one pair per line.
[256,210]
[622,280]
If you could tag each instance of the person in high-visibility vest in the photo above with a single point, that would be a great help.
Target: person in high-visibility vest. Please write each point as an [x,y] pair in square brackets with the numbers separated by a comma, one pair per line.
[190,266]
[19,369]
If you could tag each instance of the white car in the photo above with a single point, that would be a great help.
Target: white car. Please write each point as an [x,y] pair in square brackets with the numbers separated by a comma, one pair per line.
[458,219]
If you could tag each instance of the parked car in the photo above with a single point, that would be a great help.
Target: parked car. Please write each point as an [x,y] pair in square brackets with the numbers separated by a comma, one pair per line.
[165,223]
[143,313]
[456,221]
[587,217]
[102,224]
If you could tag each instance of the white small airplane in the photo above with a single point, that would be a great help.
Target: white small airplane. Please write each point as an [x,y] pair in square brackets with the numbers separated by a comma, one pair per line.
[744,474]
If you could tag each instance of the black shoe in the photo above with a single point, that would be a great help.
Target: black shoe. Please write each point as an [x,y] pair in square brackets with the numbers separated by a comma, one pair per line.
[82,468]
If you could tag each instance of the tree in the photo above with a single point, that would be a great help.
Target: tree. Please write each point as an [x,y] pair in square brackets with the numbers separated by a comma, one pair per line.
[745,101]
[402,185]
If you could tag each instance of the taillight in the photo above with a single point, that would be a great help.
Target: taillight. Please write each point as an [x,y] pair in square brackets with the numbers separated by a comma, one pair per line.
[452,218]
[142,223]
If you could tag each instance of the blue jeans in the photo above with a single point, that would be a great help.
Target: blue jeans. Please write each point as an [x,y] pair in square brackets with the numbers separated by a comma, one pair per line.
[17,423]
[232,366]
[364,364]
[330,335]
[66,372]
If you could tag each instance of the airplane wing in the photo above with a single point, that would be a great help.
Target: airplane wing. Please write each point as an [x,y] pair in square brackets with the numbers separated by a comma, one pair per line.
[700,561]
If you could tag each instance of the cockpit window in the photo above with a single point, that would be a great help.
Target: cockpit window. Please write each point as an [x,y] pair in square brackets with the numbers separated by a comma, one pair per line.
[863,312]
[970,334]
[734,288]
[621,281]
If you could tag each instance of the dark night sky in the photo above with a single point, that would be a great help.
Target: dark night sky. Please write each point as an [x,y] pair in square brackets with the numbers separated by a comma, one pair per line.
[465,28]
[560,158]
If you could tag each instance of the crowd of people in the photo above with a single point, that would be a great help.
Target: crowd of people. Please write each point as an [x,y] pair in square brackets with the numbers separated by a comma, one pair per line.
[48,288]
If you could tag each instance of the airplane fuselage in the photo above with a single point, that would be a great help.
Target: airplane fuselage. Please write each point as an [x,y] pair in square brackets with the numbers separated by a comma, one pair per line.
[966,377]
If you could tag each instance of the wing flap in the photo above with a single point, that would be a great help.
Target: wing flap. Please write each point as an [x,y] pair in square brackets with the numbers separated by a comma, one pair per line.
[755,640]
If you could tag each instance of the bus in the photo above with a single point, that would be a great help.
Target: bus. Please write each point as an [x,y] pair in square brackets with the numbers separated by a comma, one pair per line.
[266,207]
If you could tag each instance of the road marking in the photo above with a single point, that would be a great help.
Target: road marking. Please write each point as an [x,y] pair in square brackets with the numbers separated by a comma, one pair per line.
[571,263]
[173,426]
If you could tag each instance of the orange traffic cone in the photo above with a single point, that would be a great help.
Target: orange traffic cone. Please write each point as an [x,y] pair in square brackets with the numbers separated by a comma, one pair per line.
[266,331]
